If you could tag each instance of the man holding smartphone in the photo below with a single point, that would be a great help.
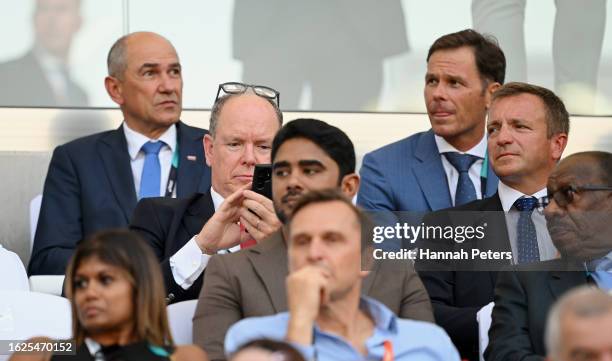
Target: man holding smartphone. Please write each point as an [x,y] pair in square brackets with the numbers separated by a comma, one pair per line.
[307,154]
[184,233]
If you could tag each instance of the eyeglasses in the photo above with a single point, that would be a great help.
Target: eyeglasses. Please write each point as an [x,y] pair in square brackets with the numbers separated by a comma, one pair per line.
[239,88]
[565,195]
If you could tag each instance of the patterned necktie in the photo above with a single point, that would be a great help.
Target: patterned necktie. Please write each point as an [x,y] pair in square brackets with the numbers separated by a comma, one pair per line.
[527,239]
[602,272]
[465,191]
[150,181]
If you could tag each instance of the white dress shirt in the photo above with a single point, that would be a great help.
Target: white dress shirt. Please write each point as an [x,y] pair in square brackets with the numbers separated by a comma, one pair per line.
[188,263]
[452,175]
[13,274]
[508,196]
[135,141]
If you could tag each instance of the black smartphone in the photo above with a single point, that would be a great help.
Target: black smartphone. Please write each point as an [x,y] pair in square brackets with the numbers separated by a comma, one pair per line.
[262,180]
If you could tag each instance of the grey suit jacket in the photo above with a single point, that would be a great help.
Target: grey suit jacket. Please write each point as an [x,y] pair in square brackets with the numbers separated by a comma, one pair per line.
[252,283]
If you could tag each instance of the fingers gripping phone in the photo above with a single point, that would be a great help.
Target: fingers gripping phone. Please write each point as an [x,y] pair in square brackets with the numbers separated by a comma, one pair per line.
[262,180]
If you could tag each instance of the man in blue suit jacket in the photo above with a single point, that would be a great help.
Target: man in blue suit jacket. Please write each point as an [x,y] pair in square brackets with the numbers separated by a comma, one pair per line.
[414,174]
[94,182]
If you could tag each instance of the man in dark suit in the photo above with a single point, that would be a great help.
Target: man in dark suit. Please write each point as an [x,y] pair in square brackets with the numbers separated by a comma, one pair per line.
[41,76]
[94,182]
[445,166]
[307,154]
[184,233]
[578,218]
[527,127]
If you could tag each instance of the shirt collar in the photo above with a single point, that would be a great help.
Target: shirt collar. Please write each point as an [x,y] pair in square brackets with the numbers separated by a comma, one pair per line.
[216,198]
[92,346]
[136,140]
[509,195]
[479,150]
[383,318]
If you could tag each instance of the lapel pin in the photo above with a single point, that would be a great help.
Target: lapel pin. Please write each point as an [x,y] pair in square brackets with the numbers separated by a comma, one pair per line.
[192,158]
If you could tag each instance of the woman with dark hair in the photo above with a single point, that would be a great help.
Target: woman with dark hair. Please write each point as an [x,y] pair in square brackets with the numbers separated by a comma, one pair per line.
[117,293]
[266,350]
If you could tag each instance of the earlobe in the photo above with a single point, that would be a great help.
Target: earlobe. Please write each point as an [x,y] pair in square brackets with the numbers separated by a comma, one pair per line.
[491,88]
[350,184]
[114,90]
[559,143]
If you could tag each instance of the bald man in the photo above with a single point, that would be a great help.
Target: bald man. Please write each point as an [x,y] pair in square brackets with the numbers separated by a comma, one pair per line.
[94,182]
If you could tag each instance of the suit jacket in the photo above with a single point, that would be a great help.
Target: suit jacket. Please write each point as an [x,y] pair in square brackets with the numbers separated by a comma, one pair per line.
[167,224]
[408,176]
[90,187]
[27,85]
[522,301]
[456,293]
[252,283]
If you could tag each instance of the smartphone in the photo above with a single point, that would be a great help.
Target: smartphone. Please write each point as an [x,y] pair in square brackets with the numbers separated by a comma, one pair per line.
[262,180]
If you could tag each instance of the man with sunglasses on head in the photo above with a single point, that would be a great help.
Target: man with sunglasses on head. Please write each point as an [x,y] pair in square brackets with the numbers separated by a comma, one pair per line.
[578,218]
[527,133]
[184,233]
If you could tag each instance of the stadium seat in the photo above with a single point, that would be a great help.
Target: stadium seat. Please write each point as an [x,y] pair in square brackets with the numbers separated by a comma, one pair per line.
[484,323]
[180,317]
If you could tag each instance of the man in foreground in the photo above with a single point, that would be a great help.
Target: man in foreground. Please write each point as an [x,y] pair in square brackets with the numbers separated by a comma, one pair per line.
[328,319]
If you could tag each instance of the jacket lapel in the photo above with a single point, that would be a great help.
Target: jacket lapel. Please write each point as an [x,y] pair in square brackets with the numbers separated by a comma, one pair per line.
[560,281]
[112,149]
[198,212]
[192,165]
[429,172]
[269,260]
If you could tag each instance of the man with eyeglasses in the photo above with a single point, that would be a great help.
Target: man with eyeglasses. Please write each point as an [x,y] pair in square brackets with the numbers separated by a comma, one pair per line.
[527,133]
[579,221]
[184,233]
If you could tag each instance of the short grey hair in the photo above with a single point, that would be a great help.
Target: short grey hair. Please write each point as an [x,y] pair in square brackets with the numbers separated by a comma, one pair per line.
[218,106]
[116,60]
[582,302]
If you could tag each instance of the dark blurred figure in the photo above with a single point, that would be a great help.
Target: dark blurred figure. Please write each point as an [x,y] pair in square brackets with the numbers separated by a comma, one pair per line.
[41,76]
[337,47]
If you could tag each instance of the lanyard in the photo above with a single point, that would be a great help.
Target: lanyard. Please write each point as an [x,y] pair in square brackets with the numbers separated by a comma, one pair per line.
[484,173]
[173,172]
[388,355]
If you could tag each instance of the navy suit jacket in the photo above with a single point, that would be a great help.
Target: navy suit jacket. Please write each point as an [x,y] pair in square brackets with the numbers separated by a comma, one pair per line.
[456,293]
[90,187]
[523,297]
[167,224]
[408,176]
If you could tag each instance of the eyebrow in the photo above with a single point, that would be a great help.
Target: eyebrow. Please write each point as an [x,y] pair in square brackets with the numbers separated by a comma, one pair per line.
[156,65]
[310,162]
[301,163]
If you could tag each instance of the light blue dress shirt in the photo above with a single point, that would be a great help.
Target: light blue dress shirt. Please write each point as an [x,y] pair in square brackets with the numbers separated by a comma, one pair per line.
[411,340]
[602,272]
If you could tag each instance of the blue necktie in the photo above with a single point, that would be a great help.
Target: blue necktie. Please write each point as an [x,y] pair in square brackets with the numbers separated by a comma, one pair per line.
[527,239]
[465,192]
[602,272]
[151,171]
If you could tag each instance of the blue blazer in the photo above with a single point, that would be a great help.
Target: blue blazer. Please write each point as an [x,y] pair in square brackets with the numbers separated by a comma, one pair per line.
[90,187]
[408,176]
